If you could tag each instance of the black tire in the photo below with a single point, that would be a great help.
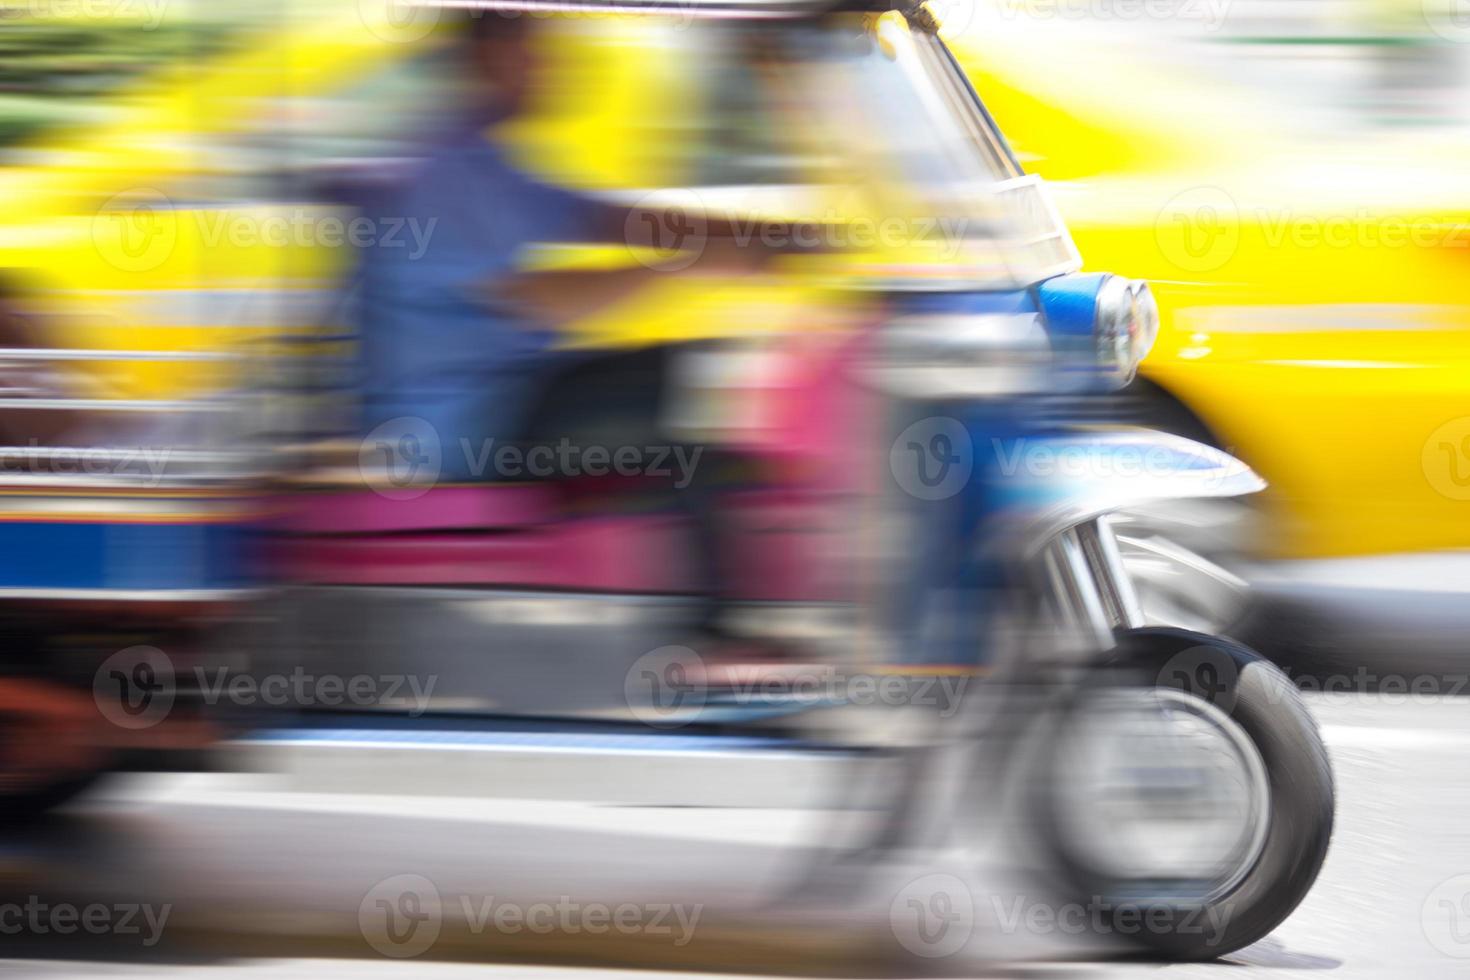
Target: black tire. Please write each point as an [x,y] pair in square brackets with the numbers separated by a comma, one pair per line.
[1262,701]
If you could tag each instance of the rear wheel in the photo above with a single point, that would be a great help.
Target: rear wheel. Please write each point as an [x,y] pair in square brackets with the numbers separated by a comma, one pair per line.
[1188,796]
[49,748]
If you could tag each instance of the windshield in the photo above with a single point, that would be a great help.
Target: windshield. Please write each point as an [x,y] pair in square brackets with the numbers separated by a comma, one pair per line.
[897,100]
[911,131]
[847,118]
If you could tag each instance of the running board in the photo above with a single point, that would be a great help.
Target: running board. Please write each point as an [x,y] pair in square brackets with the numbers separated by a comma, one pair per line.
[632,768]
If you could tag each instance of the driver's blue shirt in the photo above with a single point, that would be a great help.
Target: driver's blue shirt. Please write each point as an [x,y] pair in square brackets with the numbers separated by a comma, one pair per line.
[437,344]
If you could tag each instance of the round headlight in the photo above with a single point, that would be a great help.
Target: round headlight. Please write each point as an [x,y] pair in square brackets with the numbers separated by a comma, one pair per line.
[1127,324]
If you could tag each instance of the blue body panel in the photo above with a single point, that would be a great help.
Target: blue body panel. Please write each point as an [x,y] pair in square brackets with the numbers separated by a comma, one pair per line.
[940,614]
[67,556]
[1069,304]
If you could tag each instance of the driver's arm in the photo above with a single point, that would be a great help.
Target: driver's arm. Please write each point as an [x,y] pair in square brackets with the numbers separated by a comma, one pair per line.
[725,246]
[557,297]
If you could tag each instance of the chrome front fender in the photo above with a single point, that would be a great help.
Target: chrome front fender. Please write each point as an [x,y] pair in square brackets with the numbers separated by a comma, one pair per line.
[1070,485]
[1073,478]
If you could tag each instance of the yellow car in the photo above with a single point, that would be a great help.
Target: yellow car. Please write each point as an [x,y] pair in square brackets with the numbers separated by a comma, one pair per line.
[1314,302]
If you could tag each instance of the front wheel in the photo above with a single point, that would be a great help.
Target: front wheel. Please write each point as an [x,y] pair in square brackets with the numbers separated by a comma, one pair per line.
[1187,795]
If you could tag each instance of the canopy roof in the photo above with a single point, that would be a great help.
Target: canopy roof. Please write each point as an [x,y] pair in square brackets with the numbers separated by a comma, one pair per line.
[712,9]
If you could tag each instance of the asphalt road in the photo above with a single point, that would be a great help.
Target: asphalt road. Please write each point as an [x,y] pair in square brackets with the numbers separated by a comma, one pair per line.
[241,875]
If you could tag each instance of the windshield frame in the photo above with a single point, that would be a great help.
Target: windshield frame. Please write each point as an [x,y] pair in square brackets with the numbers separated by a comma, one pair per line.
[961,90]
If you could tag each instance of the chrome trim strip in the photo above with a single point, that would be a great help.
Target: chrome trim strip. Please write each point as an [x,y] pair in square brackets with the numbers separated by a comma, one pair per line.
[96,354]
[133,595]
[105,510]
[114,405]
[1112,575]
[125,453]
[271,306]
[1086,600]
[730,9]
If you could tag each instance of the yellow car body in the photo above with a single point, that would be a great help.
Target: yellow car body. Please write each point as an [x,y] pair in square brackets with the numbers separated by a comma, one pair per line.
[1315,307]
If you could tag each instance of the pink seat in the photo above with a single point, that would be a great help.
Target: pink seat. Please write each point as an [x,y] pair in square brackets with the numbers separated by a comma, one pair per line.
[783,546]
[439,509]
[640,554]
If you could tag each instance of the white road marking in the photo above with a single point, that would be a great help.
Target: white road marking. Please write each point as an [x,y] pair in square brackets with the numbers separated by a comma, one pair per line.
[1369,737]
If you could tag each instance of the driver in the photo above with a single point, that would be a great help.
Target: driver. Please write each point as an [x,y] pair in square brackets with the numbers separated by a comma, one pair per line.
[460,337]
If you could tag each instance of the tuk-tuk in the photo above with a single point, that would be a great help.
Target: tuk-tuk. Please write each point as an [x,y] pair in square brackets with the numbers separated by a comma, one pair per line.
[928,484]
[125,529]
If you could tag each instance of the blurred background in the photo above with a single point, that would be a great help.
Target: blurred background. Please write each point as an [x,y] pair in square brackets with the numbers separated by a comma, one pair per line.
[188,191]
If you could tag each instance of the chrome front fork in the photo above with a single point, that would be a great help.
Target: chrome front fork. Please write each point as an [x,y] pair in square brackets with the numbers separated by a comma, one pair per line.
[1089,587]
